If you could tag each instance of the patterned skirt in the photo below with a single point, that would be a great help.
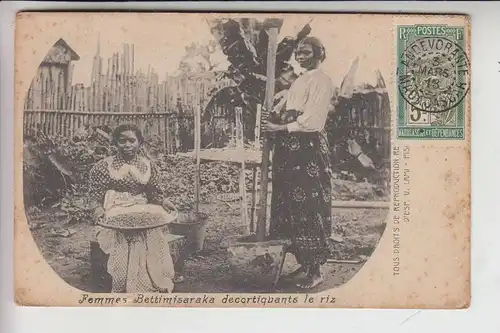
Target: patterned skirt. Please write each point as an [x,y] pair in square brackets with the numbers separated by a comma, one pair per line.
[139,261]
[301,197]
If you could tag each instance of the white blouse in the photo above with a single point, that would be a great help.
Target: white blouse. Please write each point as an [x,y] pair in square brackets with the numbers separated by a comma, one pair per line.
[311,93]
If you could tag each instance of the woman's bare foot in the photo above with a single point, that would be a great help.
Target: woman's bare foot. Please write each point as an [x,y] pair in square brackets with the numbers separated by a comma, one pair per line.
[311,282]
[314,278]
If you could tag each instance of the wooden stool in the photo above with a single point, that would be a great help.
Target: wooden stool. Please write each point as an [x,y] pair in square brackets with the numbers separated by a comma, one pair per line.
[101,280]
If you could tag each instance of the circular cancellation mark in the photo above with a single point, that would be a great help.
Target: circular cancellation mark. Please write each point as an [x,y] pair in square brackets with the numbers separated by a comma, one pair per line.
[433,75]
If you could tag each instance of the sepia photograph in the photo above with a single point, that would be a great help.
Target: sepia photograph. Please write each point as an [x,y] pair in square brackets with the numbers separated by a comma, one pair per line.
[241,154]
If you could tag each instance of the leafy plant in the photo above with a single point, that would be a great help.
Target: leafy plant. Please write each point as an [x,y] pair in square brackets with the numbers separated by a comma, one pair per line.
[56,172]
[198,58]
[244,42]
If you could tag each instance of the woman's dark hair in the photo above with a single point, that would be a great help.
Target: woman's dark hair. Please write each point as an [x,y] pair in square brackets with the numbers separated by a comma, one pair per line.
[127,127]
[319,51]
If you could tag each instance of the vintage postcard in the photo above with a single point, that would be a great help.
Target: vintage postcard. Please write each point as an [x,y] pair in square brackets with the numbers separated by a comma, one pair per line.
[242,160]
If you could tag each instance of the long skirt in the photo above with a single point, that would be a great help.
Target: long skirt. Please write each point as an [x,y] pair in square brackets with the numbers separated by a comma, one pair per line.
[139,261]
[301,197]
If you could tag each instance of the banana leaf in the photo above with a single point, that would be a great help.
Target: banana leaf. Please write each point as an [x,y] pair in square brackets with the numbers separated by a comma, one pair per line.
[245,43]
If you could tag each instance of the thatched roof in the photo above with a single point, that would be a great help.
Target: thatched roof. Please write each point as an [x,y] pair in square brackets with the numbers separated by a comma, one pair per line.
[60,53]
[362,81]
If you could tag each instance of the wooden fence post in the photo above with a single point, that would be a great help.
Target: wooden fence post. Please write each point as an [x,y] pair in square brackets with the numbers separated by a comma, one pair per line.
[257,126]
[241,151]
[270,86]
[197,154]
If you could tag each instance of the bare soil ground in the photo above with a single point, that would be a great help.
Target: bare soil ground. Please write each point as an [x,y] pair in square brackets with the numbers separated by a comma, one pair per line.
[208,272]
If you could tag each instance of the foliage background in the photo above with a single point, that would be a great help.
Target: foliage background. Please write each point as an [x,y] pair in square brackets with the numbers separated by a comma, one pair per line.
[56,167]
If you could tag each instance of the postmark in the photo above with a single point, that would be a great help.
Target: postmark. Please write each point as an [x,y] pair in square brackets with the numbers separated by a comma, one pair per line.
[433,81]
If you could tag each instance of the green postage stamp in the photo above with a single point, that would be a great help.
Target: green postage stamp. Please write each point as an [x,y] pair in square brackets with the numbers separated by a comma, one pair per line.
[433,82]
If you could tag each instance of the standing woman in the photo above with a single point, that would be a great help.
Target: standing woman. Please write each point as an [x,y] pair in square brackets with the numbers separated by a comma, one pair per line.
[132,213]
[301,199]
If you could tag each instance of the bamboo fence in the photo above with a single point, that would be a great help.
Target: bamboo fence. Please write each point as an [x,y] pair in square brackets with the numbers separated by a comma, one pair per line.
[119,89]
[118,95]
[121,94]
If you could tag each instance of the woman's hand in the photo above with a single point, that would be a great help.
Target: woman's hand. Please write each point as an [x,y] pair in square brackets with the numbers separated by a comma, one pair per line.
[168,206]
[353,147]
[271,127]
[98,213]
[281,98]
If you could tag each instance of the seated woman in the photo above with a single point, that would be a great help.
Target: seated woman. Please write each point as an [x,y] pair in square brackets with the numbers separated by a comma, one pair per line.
[132,214]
